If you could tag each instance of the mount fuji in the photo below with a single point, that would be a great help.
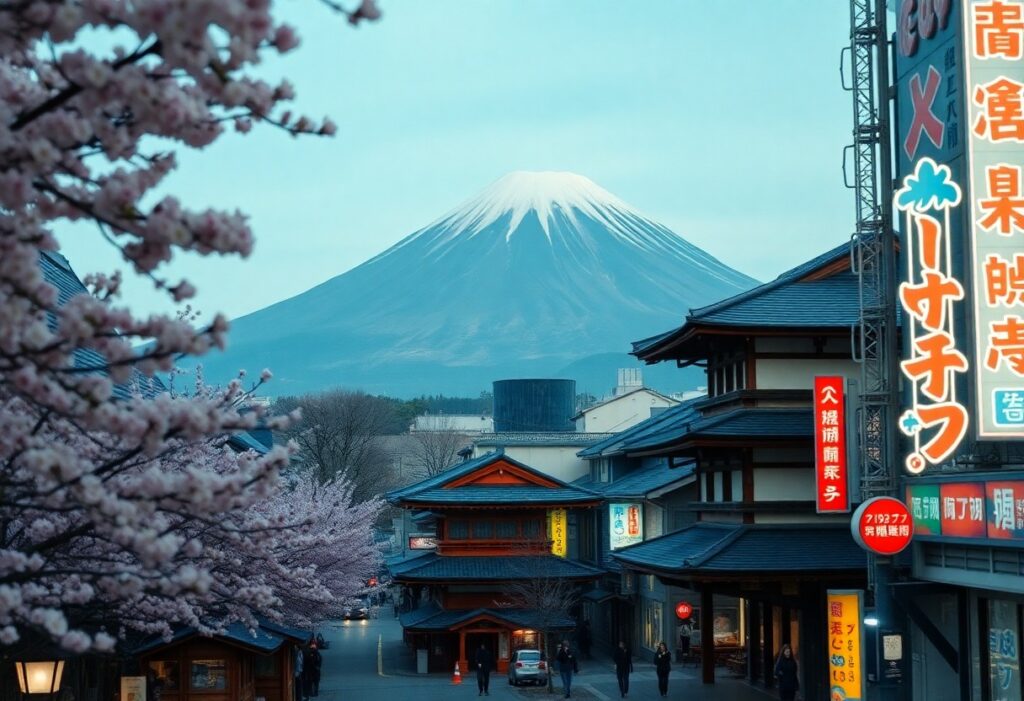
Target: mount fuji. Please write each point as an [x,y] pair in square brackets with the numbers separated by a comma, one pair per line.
[540,275]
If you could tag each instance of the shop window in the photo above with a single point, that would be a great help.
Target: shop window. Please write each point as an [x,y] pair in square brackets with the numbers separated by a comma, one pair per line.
[458,530]
[525,640]
[208,675]
[652,623]
[166,672]
[1004,650]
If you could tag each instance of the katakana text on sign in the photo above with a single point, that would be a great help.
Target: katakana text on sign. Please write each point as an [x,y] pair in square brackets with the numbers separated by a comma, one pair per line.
[844,610]
[937,418]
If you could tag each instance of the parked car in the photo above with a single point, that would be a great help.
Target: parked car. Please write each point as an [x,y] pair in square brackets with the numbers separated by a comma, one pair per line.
[527,666]
[355,611]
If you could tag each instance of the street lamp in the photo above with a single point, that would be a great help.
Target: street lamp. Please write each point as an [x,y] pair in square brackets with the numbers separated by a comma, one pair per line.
[39,677]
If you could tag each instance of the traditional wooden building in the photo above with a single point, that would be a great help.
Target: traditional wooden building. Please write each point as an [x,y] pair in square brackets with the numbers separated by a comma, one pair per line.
[757,535]
[238,664]
[496,521]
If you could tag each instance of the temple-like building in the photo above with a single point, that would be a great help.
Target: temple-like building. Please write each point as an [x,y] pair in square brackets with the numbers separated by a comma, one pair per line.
[497,523]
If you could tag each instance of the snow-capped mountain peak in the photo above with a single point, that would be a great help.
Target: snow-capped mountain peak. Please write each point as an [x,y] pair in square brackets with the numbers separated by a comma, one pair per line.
[543,192]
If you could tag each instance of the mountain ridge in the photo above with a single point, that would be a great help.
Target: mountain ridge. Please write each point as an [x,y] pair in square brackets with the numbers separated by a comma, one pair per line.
[536,272]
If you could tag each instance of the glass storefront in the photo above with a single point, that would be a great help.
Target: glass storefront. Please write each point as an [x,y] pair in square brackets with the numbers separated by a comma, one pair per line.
[1004,650]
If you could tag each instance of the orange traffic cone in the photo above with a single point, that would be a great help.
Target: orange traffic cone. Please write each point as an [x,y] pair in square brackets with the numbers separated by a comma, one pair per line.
[457,677]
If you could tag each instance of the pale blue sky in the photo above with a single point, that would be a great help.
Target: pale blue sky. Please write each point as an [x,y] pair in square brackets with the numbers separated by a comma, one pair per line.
[723,120]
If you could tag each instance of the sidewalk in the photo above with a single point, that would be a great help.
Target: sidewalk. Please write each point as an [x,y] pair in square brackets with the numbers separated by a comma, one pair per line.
[596,681]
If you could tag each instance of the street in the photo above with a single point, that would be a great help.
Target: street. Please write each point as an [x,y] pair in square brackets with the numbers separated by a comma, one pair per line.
[367,660]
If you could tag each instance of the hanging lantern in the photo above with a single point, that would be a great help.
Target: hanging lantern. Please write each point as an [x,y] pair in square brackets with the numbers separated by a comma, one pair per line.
[39,677]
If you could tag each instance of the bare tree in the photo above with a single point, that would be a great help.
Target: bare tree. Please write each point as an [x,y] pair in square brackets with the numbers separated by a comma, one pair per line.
[437,448]
[549,598]
[340,435]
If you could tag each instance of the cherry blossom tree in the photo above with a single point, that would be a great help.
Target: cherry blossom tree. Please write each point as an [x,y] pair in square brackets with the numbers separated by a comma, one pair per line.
[120,507]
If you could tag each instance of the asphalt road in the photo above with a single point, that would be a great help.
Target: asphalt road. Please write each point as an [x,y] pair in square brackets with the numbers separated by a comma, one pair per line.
[367,660]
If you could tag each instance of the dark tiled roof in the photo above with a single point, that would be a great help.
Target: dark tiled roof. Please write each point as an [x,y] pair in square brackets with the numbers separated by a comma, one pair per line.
[789,301]
[719,547]
[431,617]
[434,567]
[618,443]
[433,491]
[58,273]
[498,494]
[639,483]
[266,638]
[745,422]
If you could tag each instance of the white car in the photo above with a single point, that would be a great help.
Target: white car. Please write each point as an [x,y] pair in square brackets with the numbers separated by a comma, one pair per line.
[527,666]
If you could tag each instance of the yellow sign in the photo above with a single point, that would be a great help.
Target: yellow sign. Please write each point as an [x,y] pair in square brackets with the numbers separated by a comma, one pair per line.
[558,521]
[845,643]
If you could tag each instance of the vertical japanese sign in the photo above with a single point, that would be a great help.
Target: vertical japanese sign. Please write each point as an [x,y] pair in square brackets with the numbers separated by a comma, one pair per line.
[993,36]
[937,418]
[845,643]
[831,476]
[625,525]
[557,526]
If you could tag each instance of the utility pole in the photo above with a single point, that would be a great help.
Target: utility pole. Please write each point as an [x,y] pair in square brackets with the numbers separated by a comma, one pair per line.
[873,252]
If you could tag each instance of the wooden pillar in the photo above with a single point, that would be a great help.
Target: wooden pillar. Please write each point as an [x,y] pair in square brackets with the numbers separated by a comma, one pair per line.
[768,657]
[707,635]
[753,640]
[785,628]
[462,652]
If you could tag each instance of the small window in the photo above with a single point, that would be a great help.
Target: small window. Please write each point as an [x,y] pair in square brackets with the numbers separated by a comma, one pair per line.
[483,530]
[166,673]
[208,675]
[531,529]
[505,529]
[458,530]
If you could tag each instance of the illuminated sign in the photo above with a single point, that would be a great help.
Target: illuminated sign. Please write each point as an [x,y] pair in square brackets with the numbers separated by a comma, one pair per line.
[831,477]
[625,525]
[683,610]
[937,418]
[557,525]
[422,542]
[993,34]
[882,525]
[990,509]
[845,643]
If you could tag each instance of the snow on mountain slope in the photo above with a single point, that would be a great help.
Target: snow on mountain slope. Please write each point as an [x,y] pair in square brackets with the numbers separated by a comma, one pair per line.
[537,271]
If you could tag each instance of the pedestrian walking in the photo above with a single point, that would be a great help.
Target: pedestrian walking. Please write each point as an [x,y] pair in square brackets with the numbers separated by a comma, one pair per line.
[662,665]
[567,666]
[484,664]
[786,674]
[623,666]
[299,677]
[311,663]
[585,638]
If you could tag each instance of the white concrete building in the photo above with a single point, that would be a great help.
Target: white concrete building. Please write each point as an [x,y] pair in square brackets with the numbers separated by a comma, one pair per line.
[622,411]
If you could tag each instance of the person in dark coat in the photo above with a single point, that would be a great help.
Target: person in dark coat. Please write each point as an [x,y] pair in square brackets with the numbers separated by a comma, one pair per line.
[786,674]
[484,662]
[311,669]
[623,666]
[662,665]
[567,666]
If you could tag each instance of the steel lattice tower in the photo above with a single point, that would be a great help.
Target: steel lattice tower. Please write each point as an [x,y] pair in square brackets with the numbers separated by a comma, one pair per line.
[873,247]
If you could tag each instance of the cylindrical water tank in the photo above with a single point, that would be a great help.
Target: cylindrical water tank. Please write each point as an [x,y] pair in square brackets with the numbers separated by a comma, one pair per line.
[534,405]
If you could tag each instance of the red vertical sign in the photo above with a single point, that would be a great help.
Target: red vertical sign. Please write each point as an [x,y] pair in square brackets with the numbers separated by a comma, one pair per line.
[831,477]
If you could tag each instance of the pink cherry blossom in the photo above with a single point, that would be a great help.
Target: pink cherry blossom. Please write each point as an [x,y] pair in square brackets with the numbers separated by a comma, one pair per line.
[124,509]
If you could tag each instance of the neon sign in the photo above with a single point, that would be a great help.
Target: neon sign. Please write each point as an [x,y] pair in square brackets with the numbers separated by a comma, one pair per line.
[937,418]
[831,477]
[994,37]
